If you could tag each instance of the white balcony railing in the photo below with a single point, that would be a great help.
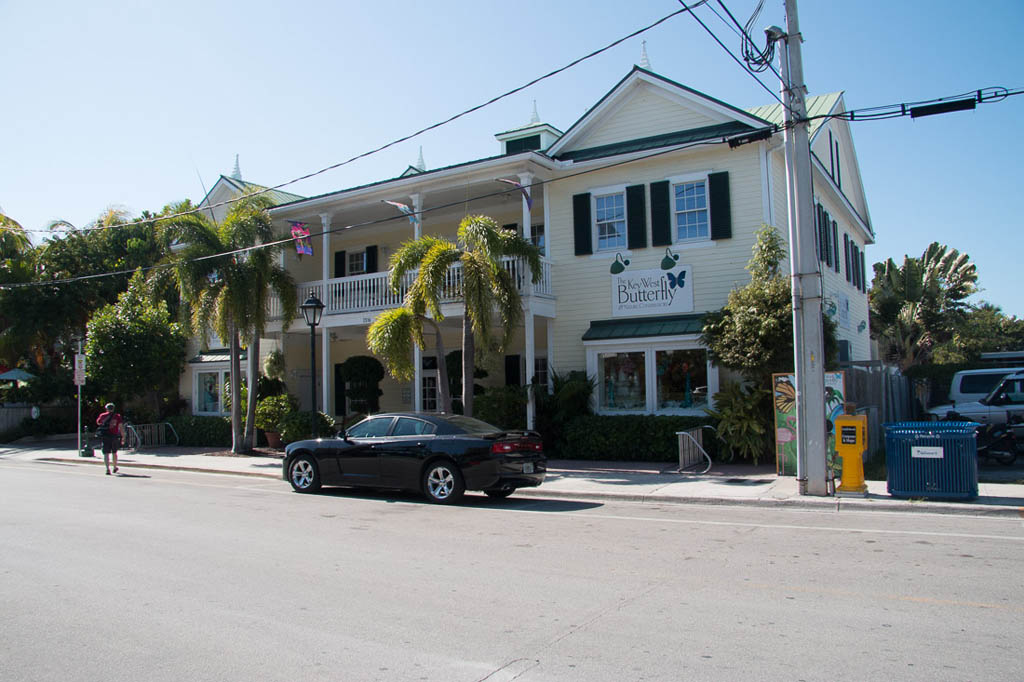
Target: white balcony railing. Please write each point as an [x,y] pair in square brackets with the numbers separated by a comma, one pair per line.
[361,293]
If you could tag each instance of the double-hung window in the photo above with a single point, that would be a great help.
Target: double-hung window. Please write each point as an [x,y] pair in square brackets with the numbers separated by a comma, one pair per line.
[690,206]
[610,220]
[356,262]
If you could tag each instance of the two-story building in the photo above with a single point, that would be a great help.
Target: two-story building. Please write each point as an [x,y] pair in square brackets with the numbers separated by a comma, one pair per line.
[645,217]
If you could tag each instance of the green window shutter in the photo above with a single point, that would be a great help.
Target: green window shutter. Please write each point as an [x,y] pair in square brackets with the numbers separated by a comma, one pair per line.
[718,201]
[846,254]
[636,217]
[835,244]
[339,263]
[581,226]
[661,214]
[863,280]
[371,259]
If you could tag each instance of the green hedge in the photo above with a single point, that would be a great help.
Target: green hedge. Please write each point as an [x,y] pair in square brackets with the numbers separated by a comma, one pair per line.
[637,438]
[202,431]
[45,425]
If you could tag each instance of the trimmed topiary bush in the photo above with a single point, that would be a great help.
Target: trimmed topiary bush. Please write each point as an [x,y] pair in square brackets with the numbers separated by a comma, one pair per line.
[194,430]
[631,438]
[296,426]
[272,410]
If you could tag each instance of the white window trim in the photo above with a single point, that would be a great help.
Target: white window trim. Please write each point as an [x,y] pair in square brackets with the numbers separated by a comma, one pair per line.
[348,263]
[603,192]
[222,369]
[700,176]
[649,346]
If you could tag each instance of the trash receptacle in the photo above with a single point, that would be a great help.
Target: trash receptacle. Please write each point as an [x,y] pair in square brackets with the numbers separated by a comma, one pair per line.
[932,459]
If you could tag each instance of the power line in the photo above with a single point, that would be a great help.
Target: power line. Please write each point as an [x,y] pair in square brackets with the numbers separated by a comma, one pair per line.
[419,132]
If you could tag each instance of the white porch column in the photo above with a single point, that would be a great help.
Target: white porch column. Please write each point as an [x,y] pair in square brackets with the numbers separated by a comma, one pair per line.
[525,179]
[547,223]
[531,401]
[326,375]
[325,220]
[417,205]
[549,324]
[417,379]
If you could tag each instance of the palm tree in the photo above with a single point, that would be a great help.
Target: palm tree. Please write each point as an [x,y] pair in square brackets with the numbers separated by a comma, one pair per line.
[489,292]
[227,286]
[917,305]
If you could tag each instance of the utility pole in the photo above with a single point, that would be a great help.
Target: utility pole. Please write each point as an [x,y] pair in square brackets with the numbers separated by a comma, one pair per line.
[808,335]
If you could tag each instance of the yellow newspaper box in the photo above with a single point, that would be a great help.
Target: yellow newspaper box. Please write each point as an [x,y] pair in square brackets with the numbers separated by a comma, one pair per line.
[851,443]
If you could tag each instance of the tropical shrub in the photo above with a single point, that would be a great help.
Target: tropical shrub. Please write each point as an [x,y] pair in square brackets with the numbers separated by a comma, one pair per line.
[636,438]
[569,399]
[196,430]
[744,417]
[296,426]
[272,410]
[503,406]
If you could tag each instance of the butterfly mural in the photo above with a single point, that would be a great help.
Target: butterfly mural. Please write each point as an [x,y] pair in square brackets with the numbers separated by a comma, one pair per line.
[785,396]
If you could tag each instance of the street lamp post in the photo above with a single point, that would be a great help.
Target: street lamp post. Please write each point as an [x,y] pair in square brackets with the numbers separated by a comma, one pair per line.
[312,311]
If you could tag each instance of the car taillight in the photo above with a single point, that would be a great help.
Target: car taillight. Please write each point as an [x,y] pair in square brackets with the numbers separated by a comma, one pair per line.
[503,447]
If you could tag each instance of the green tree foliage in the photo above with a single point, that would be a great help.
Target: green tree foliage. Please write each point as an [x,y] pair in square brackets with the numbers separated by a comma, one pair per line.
[227,286]
[489,293]
[133,347]
[983,329]
[920,304]
[362,374]
[753,333]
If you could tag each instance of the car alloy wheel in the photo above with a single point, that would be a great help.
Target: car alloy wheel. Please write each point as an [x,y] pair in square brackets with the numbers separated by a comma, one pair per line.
[304,477]
[442,483]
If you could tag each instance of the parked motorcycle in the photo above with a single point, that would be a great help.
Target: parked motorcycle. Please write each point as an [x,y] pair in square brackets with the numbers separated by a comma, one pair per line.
[996,442]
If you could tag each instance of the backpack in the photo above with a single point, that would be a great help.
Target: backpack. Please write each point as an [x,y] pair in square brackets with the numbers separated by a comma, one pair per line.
[101,430]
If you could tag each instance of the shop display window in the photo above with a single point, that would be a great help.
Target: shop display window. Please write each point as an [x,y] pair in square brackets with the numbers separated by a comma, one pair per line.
[622,382]
[682,379]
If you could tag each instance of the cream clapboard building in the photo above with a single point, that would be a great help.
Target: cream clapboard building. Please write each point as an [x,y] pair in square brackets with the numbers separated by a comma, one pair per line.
[645,217]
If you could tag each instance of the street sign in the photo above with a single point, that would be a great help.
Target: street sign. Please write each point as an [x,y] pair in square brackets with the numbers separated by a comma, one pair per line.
[79,369]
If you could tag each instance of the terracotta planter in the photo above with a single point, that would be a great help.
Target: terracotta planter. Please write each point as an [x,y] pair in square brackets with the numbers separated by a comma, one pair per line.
[273,439]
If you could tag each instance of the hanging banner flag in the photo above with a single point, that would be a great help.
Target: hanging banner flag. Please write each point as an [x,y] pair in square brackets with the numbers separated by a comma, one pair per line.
[303,245]
[526,192]
[413,218]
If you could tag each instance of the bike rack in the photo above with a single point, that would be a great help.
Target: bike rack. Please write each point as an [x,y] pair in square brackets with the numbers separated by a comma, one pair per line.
[149,435]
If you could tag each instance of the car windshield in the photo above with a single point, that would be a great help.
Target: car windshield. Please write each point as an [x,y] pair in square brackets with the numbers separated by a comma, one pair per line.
[470,425]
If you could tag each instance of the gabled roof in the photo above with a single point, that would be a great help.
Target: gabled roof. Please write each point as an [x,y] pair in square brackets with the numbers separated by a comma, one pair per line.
[276,195]
[655,141]
[618,92]
[817,105]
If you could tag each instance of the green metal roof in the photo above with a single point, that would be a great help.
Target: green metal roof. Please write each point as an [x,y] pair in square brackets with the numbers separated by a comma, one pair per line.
[636,327]
[817,105]
[275,195]
[655,141]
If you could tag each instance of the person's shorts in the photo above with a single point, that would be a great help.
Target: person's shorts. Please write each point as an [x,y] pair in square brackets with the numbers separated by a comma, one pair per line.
[111,444]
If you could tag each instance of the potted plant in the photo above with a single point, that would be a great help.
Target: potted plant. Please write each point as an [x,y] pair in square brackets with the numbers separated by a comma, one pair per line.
[270,412]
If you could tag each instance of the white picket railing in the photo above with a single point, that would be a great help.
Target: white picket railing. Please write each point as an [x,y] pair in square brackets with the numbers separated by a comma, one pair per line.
[361,293]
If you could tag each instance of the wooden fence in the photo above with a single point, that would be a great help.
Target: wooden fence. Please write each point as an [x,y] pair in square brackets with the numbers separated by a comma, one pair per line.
[880,392]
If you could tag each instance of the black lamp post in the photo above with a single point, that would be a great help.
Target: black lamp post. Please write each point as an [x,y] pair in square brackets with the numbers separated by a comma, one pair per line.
[312,310]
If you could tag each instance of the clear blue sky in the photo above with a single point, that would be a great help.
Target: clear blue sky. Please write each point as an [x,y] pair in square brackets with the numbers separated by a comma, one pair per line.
[121,103]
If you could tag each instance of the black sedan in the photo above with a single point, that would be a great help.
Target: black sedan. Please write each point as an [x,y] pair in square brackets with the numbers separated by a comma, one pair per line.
[441,455]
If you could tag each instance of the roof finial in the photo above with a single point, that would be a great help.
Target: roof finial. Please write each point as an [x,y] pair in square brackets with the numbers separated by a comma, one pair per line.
[534,118]
[237,173]
[419,162]
[645,63]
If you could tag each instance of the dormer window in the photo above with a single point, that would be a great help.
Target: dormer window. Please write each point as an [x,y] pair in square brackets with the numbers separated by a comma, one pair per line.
[523,144]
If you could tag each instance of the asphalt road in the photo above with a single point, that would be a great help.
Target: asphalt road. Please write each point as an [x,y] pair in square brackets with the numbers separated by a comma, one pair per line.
[161,575]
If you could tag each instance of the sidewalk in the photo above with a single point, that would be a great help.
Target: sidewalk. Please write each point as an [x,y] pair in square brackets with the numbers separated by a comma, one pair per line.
[650,483]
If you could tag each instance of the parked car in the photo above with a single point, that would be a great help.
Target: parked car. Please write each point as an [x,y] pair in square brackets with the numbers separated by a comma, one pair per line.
[1000,406]
[971,385]
[440,455]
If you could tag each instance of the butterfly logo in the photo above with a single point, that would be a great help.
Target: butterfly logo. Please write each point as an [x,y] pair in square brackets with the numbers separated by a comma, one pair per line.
[676,281]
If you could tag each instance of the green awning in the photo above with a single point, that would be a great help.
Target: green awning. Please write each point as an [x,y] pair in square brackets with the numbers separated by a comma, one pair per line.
[216,355]
[636,327]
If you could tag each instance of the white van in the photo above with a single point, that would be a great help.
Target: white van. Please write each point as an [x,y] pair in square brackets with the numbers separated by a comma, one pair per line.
[971,385]
[1003,405]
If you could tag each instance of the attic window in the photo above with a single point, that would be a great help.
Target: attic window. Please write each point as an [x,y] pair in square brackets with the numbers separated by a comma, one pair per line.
[523,144]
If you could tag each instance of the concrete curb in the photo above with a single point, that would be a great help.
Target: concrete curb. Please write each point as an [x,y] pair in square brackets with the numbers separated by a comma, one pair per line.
[836,504]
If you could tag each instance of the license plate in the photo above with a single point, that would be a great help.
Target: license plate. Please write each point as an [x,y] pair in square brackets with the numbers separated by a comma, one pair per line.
[528,468]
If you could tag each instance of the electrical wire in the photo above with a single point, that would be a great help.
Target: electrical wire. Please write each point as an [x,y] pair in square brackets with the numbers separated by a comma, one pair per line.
[419,132]
[367,223]
[743,66]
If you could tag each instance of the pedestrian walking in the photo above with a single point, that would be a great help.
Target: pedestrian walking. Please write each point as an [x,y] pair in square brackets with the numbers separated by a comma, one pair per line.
[110,427]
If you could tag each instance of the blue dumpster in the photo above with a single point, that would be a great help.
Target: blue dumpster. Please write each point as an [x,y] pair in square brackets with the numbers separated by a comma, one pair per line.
[932,459]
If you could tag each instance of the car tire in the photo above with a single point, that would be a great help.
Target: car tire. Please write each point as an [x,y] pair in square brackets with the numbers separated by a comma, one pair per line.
[304,475]
[499,493]
[442,482]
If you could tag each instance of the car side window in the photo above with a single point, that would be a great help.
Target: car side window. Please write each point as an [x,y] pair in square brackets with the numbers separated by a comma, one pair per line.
[370,428]
[1015,391]
[408,426]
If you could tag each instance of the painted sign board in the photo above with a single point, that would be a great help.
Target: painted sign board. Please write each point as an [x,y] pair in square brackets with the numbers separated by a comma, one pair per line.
[784,400]
[652,292]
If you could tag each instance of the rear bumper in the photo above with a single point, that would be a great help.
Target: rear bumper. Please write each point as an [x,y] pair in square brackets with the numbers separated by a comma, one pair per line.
[506,472]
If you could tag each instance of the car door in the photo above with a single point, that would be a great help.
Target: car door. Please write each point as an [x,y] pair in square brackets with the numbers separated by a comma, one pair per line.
[359,458]
[409,444]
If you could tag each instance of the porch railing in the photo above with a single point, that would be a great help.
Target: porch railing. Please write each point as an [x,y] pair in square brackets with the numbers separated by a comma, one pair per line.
[361,293]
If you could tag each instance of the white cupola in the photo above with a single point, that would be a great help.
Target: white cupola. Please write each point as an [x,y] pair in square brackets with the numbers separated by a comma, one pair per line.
[533,136]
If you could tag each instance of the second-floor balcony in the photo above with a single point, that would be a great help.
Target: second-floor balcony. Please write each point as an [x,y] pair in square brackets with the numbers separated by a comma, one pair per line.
[370,292]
